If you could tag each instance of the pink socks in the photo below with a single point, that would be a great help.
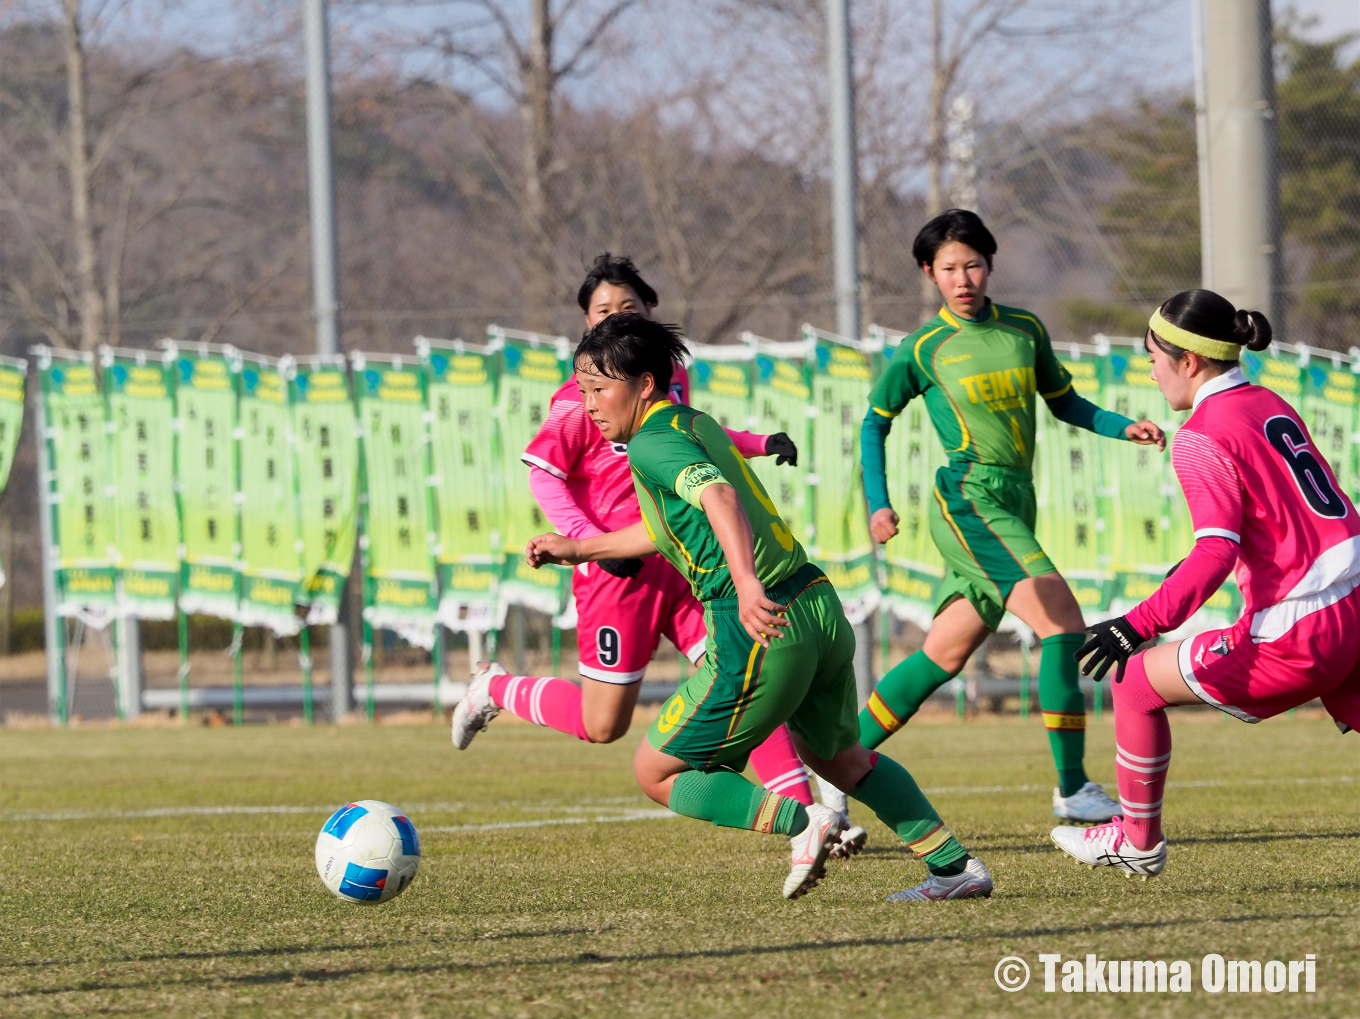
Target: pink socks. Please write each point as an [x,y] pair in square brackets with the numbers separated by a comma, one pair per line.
[776,764]
[1143,738]
[544,700]
[556,703]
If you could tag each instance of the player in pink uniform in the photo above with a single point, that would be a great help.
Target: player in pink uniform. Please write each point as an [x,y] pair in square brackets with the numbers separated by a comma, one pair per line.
[584,485]
[1266,506]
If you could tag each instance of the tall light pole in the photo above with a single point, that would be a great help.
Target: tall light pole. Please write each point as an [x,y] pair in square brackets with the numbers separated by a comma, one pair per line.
[844,174]
[321,186]
[1239,159]
[845,236]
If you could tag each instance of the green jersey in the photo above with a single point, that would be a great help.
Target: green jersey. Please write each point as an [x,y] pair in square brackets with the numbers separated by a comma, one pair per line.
[675,455]
[978,378]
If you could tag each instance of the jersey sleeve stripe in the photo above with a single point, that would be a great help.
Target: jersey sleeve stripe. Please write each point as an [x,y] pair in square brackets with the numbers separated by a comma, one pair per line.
[1057,393]
[1218,532]
[885,413]
[541,464]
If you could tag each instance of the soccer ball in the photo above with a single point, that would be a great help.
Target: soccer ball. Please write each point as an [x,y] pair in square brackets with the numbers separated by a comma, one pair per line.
[368,852]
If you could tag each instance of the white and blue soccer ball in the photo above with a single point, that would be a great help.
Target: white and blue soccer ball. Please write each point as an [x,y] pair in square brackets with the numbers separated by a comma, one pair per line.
[368,851]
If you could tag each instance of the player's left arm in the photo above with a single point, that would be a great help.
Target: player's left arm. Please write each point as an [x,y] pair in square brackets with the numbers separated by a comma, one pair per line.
[1213,491]
[629,543]
[1054,383]
[748,444]
[760,617]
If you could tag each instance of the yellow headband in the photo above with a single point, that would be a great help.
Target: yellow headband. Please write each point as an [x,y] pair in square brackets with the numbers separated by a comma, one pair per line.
[1220,350]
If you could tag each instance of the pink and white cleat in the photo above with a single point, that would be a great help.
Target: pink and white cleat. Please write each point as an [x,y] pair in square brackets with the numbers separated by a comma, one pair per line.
[811,847]
[1106,845]
[476,710]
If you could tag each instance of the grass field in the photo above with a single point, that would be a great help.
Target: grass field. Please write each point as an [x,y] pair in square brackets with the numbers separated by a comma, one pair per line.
[169,872]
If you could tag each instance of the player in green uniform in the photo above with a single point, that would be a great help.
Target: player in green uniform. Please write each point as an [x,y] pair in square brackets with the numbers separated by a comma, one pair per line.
[978,366]
[780,647]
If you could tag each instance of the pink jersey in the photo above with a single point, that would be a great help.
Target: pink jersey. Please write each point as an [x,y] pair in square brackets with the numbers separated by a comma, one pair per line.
[570,447]
[1252,477]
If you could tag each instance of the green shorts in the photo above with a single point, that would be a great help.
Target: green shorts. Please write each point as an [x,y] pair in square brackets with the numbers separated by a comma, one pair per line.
[982,521]
[743,692]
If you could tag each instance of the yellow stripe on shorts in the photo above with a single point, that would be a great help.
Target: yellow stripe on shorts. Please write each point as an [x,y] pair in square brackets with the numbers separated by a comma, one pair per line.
[1056,721]
[931,841]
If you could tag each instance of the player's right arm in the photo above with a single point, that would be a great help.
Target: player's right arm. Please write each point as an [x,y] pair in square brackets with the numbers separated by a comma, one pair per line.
[899,384]
[629,543]
[552,455]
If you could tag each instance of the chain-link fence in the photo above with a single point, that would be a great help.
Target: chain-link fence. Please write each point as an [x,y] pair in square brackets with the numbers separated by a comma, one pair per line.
[153,179]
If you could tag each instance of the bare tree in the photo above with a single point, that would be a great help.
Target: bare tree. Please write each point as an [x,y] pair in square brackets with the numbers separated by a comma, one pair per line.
[530,69]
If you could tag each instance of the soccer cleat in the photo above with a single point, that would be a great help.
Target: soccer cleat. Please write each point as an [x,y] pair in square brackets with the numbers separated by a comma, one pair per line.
[1090,804]
[811,847]
[973,882]
[476,710]
[852,840]
[1106,845]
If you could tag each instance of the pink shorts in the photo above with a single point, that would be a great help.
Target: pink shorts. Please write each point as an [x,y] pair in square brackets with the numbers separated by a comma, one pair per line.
[1312,650]
[621,620]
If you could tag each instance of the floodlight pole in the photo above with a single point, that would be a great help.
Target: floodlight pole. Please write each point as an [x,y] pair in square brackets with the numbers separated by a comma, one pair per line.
[1239,157]
[321,186]
[845,237]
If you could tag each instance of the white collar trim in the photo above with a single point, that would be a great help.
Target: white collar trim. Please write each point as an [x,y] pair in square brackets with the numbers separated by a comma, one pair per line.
[1228,380]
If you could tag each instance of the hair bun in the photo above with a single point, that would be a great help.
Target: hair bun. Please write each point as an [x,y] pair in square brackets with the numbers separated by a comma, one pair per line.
[1252,330]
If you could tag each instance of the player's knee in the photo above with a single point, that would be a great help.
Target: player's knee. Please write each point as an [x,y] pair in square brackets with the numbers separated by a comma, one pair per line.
[606,730]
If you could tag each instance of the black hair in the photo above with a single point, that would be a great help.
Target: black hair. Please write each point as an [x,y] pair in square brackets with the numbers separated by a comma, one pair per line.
[953,225]
[627,346]
[1205,313]
[619,271]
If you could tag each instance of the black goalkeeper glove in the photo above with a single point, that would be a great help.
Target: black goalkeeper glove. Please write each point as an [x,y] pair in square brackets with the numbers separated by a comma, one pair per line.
[780,443]
[625,568]
[1174,569]
[1112,641]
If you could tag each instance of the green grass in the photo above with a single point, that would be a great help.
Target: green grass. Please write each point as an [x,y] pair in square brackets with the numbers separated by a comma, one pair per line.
[223,915]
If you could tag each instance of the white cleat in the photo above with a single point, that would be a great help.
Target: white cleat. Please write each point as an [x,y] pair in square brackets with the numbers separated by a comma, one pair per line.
[973,882]
[811,847]
[853,837]
[1089,804]
[1106,845]
[476,710]
[852,840]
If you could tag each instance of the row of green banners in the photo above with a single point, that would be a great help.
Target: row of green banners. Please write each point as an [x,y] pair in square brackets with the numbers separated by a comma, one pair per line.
[218,482]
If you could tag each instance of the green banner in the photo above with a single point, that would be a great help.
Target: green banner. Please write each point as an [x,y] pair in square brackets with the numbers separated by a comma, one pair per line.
[399,582]
[1329,402]
[12,374]
[839,543]
[271,547]
[530,368]
[83,514]
[1068,480]
[206,474]
[327,465]
[914,568]
[720,384]
[782,397]
[460,383]
[141,410]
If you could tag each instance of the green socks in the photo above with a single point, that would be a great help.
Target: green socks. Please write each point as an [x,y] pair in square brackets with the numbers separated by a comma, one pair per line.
[728,800]
[903,690]
[1064,709]
[898,696]
[891,793]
